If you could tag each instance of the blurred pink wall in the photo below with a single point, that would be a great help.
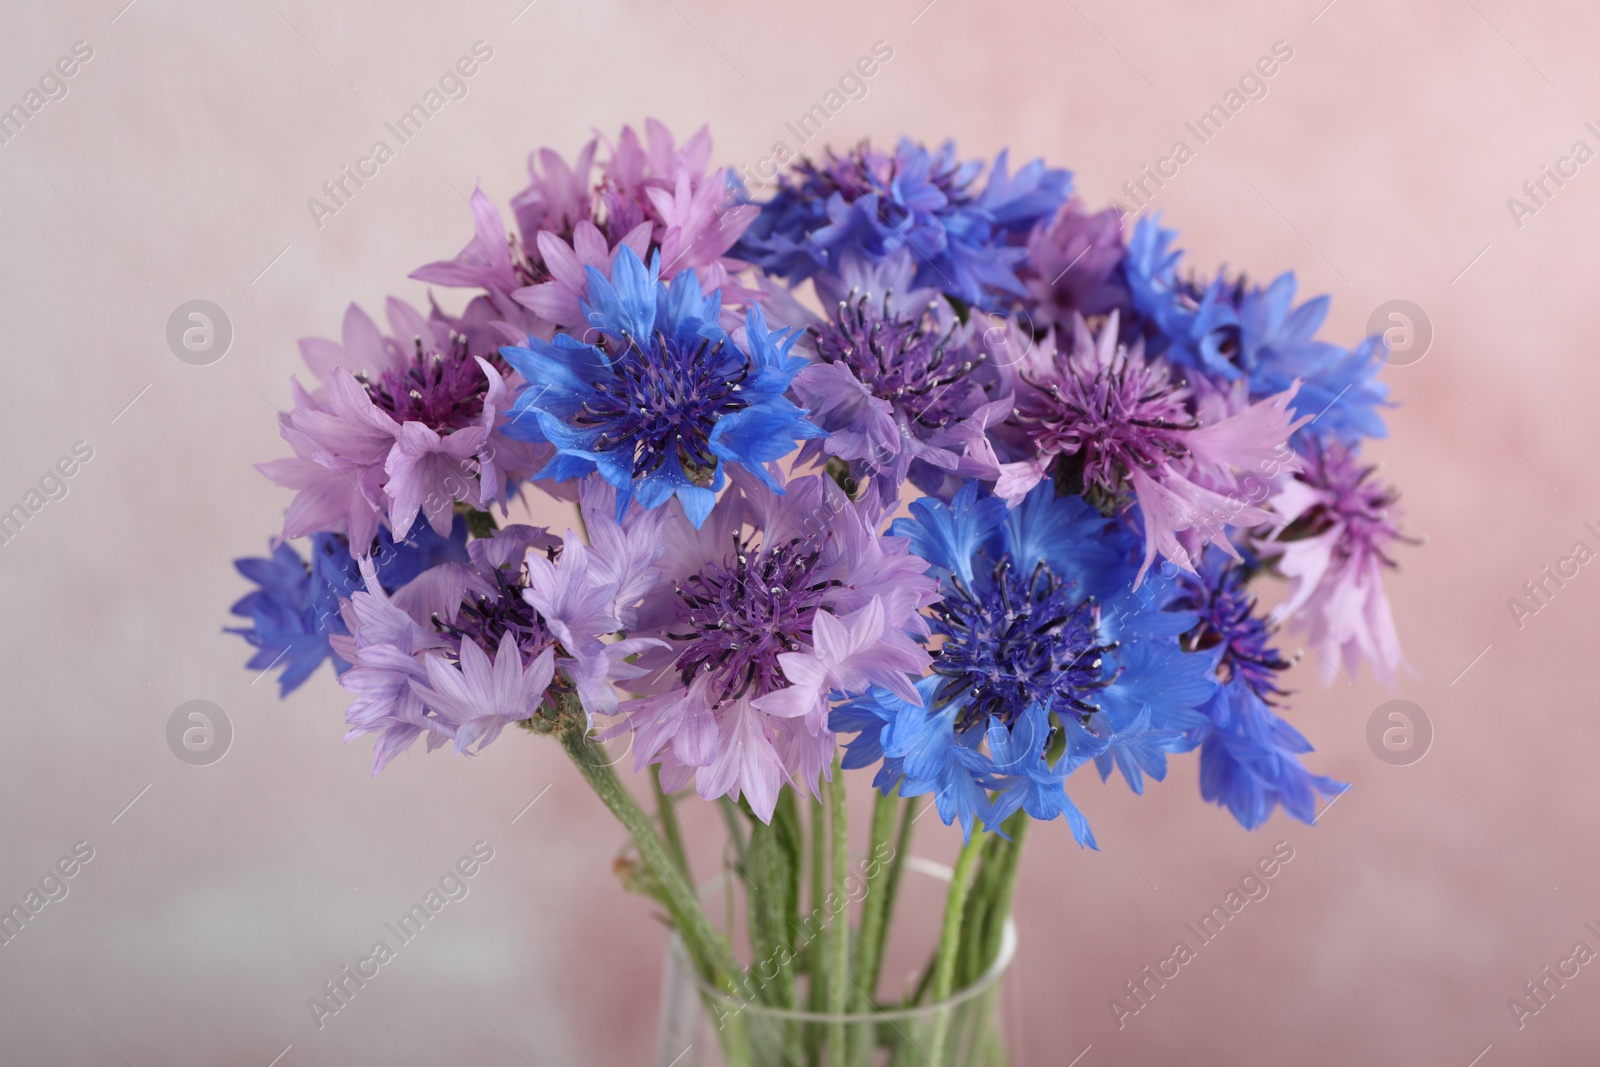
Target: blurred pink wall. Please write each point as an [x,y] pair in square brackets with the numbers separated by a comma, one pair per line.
[177,167]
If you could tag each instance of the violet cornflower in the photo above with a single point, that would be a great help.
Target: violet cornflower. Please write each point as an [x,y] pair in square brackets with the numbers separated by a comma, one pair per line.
[1071,267]
[895,384]
[777,601]
[871,202]
[1105,421]
[476,646]
[408,423]
[652,196]
[1340,529]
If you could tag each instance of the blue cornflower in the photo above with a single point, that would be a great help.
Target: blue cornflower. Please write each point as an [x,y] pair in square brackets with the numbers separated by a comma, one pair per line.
[920,750]
[1252,764]
[1218,594]
[663,396]
[1277,344]
[296,607]
[1168,323]
[870,203]
[1231,330]
[285,626]
[1049,659]
[1249,757]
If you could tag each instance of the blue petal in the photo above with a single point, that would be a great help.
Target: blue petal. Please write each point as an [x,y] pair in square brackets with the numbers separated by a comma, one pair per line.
[948,536]
[760,435]
[1074,540]
[624,306]
[697,503]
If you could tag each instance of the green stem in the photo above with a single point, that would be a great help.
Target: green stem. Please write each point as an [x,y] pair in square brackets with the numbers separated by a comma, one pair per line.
[923,983]
[984,885]
[668,812]
[1000,906]
[838,964]
[944,966]
[707,946]
[818,863]
[819,858]
[791,836]
[868,955]
[897,866]
[730,816]
[875,906]
[789,840]
[766,875]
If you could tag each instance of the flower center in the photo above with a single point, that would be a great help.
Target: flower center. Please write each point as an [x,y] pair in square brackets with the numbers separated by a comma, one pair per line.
[1226,621]
[666,401]
[486,620]
[747,610]
[865,170]
[911,363]
[444,391]
[1359,503]
[1018,641]
[1113,419]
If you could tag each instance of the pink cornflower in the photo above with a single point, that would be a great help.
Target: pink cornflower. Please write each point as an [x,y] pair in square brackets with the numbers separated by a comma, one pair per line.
[407,422]
[465,649]
[1340,526]
[1104,420]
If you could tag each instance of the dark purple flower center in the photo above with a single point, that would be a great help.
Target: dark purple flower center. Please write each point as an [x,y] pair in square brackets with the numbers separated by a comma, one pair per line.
[442,390]
[487,619]
[1107,420]
[914,364]
[624,207]
[747,610]
[864,170]
[1360,504]
[1014,641]
[666,401]
[1225,609]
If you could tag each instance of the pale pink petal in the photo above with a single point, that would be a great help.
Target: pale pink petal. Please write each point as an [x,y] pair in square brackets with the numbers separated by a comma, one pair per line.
[1018,479]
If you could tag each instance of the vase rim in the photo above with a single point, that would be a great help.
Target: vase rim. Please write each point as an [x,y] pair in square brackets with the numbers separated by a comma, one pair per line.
[986,981]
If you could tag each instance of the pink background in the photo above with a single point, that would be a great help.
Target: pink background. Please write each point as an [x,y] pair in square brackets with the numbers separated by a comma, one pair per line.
[1378,166]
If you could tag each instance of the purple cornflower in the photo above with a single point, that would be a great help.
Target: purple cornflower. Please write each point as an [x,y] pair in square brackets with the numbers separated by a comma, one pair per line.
[558,195]
[1340,527]
[868,202]
[560,299]
[1103,420]
[649,196]
[693,222]
[489,261]
[402,427]
[385,644]
[777,600]
[1071,267]
[474,646]
[895,385]
[341,442]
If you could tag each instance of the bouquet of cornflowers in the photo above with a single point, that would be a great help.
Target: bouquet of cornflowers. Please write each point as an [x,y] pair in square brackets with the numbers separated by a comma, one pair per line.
[983,504]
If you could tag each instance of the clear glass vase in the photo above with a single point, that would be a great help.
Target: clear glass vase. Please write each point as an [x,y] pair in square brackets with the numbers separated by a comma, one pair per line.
[705,1027]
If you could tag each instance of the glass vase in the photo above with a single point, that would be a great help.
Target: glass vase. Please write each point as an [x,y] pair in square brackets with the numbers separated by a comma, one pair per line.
[702,1026]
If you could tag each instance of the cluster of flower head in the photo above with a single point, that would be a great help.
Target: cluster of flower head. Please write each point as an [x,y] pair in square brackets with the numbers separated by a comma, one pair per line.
[1100,453]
